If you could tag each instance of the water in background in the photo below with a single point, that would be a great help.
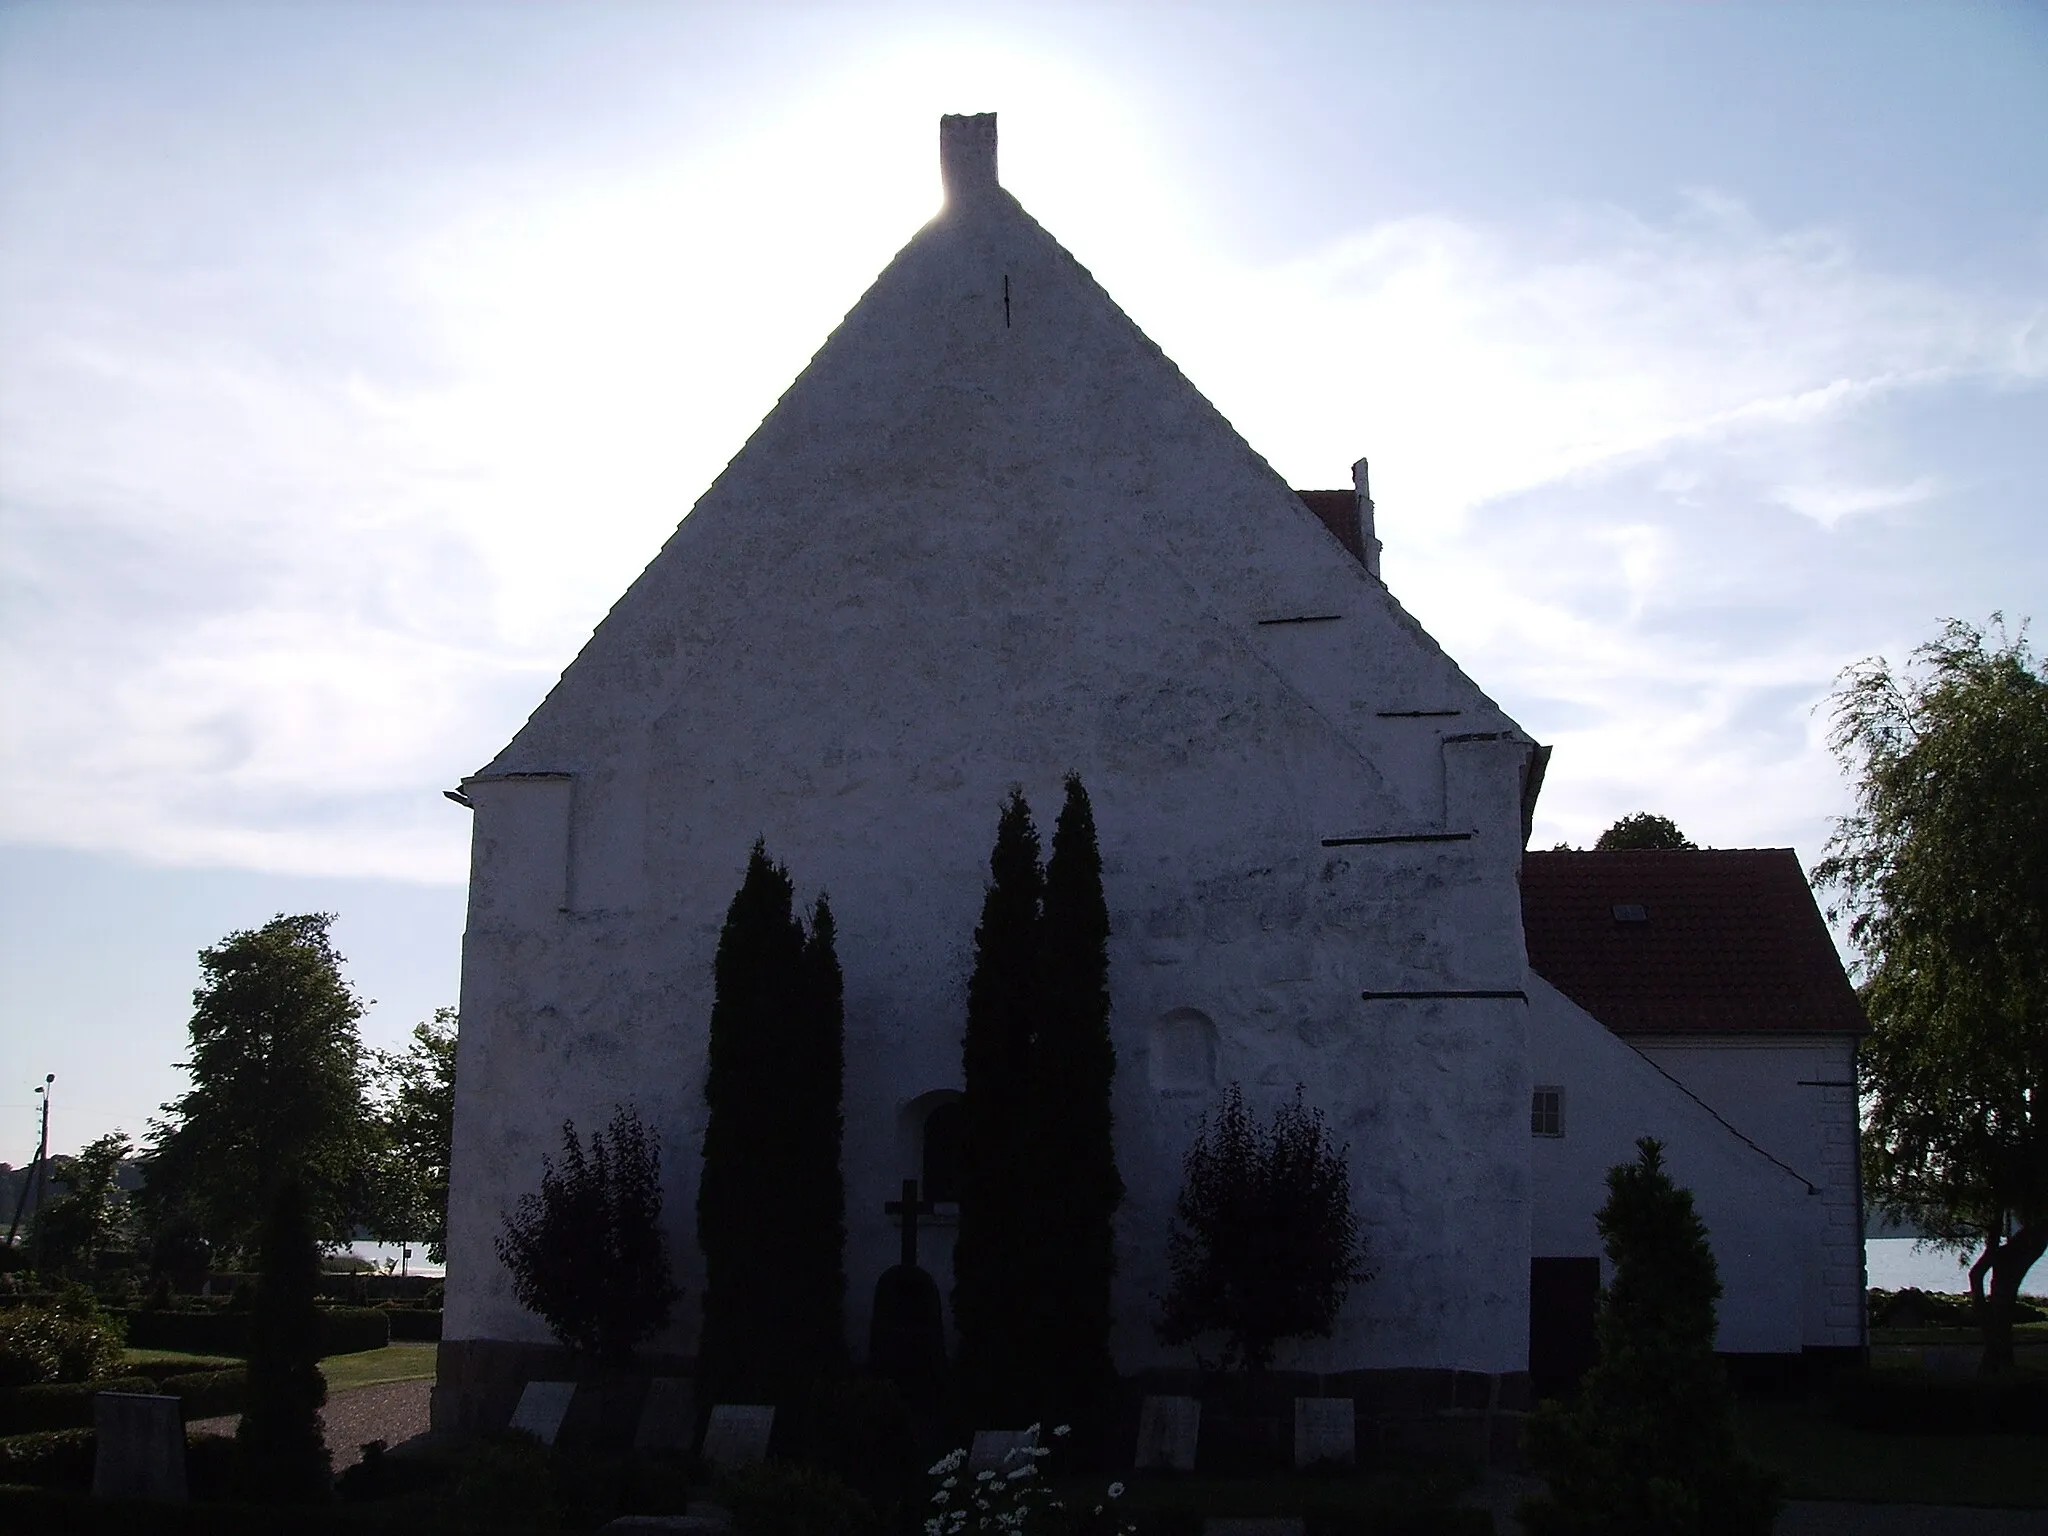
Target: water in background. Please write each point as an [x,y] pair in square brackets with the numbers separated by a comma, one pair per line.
[418,1264]
[1893,1264]
[1897,1262]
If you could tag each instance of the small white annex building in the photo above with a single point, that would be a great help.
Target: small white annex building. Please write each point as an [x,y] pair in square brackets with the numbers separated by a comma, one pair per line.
[991,535]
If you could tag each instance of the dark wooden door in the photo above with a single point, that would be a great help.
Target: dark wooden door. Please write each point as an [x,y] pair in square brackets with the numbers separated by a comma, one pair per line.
[1564,1296]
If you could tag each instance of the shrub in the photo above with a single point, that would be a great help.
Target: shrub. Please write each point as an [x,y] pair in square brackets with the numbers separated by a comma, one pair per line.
[1914,1403]
[1264,1243]
[210,1394]
[860,1430]
[586,1253]
[61,1404]
[342,1330]
[412,1325]
[783,1498]
[1648,1445]
[57,1458]
[67,1340]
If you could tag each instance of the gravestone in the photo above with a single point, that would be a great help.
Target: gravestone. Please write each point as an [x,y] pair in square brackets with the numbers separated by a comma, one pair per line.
[992,1447]
[907,1329]
[738,1434]
[1325,1429]
[141,1440]
[542,1407]
[1168,1428]
[668,1416]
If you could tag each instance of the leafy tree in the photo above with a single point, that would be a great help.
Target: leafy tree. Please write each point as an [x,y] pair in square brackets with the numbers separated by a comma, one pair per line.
[417,1120]
[277,1090]
[1073,1066]
[586,1252]
[1942,870]
[993,1254]
[280,1447]
[1645,830]
[770,1202]
[1264,1244]
[1647,1447]
[91,1215]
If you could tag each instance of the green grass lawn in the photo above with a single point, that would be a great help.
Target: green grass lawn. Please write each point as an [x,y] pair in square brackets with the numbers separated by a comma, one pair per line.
[1820,1459]
[369,1368]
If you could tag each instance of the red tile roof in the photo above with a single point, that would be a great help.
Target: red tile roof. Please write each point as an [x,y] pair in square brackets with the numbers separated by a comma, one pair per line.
[1339,512]
[1729,941]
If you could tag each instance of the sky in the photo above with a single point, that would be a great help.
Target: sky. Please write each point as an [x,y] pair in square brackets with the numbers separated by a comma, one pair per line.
[354,359]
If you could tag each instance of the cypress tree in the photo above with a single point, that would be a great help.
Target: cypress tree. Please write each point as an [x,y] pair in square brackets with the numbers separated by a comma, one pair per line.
[280,1449]
[817,1192]
[992,1268]
[1076,1189]
[770,1206]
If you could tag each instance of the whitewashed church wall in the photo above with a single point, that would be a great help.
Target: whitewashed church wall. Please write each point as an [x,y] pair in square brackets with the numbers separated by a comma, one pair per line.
[1795,1096]
[977,546]
[1760,1218]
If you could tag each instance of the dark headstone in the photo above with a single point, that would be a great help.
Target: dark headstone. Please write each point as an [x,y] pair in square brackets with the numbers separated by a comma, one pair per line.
[998,1450]
[738,1434]
[542,1407]
[141,1446]
[668,1416]
[907,1335]
[1325,1431]
[1168,1429]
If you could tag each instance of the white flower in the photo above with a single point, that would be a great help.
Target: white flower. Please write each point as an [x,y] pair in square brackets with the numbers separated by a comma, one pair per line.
[1063,1429]
[1116,1490]
[983,1475]
[942,1497]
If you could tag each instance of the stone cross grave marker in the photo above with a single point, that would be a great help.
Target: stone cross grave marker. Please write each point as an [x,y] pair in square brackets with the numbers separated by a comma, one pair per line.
[141,1438]
[909,1208]
[991,1450]
[1167,1430]
[542,1407]
[668,1416]
[738,1434]
[1325,1429]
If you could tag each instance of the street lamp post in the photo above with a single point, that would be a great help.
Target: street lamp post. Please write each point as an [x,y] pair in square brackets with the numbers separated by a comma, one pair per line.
[34,1176]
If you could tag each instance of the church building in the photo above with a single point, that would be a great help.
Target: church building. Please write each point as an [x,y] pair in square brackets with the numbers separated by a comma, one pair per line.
[991,536]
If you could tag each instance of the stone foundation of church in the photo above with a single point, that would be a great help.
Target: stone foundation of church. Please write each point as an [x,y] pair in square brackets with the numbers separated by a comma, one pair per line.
[1400,1412]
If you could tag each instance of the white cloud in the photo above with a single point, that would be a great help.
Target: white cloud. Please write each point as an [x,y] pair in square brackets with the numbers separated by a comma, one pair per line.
[273,583]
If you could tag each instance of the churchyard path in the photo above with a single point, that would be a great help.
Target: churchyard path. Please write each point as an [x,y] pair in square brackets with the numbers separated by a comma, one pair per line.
[393,1411]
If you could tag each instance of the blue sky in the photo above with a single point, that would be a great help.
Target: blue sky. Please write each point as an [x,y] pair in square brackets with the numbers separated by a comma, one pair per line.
[354,359]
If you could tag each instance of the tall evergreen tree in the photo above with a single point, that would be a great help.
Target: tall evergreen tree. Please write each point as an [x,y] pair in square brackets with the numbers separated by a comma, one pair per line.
[1648,1446]
[280,1449]
[770,1205]
[992,1255]
[1073,1164]
[816,1192]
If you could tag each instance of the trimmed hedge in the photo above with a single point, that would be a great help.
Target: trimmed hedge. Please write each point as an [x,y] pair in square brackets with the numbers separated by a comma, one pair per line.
[1902,1402]
[343,1331]
[166,1371]
[61,1405]
[57,1458]
[412,1325]
[211,1393]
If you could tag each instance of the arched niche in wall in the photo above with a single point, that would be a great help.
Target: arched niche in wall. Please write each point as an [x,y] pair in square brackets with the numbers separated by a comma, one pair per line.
[931,1134]
[1182,1058]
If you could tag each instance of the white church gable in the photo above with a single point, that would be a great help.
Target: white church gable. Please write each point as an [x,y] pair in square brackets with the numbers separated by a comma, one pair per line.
[989,536]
